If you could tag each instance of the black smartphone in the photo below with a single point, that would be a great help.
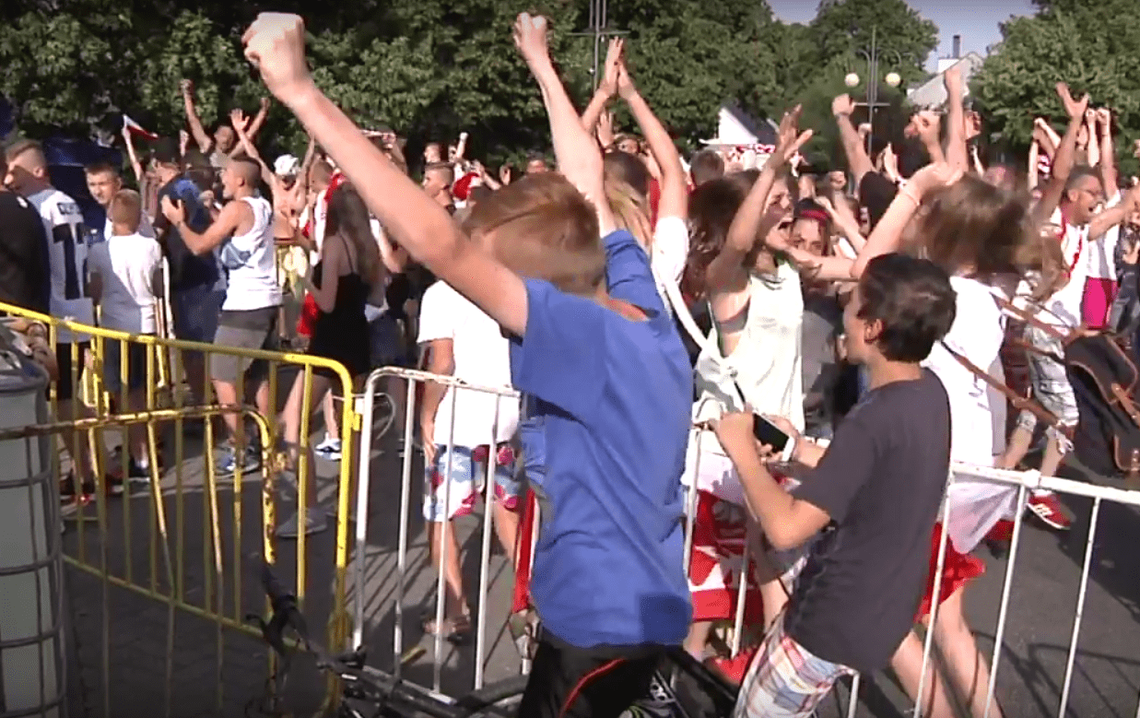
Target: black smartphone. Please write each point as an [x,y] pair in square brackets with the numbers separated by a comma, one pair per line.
[769,434]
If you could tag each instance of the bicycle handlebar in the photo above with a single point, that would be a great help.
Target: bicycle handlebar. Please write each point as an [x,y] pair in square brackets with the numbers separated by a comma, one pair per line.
[387,691]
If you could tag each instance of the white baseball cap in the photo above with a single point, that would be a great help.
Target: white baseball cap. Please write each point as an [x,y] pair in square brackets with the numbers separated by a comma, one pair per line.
[286,166]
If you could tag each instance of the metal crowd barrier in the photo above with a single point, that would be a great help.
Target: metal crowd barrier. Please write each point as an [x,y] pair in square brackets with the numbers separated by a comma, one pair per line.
[166,406]
[169,587]
[411,494]
[407,574]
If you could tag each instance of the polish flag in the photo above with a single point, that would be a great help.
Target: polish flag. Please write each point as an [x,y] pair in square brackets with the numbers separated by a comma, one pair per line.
[137,130]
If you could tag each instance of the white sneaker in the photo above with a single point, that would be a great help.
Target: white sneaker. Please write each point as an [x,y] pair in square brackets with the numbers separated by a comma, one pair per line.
[329,449]
[315,522]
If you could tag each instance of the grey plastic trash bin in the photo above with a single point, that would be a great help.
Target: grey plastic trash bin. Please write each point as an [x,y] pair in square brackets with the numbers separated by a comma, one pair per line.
[31,640]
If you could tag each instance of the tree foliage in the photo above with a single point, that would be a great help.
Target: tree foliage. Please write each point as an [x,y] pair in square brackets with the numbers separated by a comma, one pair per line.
[433,68]
[1067,41]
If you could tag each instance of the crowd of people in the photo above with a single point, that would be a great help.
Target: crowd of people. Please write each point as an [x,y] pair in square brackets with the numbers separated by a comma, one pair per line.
[649,310]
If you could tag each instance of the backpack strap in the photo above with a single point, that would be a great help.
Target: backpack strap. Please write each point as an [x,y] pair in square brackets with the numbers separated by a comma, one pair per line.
[681,310]
[1032,320]
[1019,402]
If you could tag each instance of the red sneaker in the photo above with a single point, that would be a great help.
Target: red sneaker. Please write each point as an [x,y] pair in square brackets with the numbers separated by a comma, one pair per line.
[1046,507]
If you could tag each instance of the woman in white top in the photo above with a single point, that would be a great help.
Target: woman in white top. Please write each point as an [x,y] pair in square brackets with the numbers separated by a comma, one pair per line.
[987,240]
[754,294]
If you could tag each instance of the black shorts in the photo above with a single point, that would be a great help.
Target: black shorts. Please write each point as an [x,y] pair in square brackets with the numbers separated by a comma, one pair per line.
[64,391]
[600,682]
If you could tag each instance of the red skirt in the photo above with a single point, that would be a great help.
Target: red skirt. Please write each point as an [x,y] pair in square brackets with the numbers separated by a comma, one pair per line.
[309,313]
[958,569]
[715,566]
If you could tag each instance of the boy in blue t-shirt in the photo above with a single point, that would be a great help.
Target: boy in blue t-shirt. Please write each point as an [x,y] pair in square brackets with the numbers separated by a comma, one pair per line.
[607,374]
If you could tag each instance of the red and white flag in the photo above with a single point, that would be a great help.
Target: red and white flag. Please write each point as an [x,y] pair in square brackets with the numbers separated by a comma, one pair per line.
[137,130]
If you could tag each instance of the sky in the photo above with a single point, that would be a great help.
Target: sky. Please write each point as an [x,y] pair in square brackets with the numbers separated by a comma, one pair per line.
[975,20]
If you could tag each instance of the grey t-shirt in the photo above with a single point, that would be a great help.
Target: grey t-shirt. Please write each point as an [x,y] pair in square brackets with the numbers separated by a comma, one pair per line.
[823,323]
[881,482]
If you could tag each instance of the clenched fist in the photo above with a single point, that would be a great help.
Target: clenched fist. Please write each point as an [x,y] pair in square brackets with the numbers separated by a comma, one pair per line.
[275,45]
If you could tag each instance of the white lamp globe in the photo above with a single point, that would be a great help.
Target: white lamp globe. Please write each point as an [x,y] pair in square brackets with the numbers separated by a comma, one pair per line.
[851,80]
[893,79]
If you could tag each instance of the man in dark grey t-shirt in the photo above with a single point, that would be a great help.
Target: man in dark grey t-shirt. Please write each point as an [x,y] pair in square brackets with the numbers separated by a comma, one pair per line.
[874,491]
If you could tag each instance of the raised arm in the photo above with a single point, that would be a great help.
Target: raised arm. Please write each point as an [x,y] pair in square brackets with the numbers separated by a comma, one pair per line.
[857,158]
[956,154]
[205,142]
[275,44]
[1066,154]
[753,220]
[1108,171]
[136,166]
[929,125]
[607,88]
[576,153]
[888,232]
[255,126]
[674,186]
[239,121]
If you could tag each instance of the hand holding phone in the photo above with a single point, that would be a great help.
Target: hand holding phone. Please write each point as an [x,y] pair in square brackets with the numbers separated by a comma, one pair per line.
[781,439]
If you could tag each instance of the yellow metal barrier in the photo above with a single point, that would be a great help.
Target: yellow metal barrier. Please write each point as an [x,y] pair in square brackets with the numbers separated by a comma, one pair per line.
[173,594]
[164,404]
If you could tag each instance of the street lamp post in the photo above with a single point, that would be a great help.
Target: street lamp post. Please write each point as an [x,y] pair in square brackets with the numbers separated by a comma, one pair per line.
[599,32]
[892,79]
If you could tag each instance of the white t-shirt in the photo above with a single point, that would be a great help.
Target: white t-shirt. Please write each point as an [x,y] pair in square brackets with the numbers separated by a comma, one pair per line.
[977,411]
[481,358]
[670,252]
[1101,256]
[146,229]
[254,285]
[127,265]
[1063,309]
[67,255]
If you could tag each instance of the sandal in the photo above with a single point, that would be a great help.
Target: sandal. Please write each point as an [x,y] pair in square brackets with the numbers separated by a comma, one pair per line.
[456,629]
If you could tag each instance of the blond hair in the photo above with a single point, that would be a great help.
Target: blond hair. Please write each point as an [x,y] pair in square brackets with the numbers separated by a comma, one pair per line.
[630,210]
[126,209]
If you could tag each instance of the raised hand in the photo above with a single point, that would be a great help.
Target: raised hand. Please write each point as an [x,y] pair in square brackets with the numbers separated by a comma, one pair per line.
[842,106]
[789,139]
[952,79]
[275,45]
[175,213]
[505,174]
[609,82]
[187,87]
[1104,117]
[265,103]
[929,125]
[239,120]
[1074,108]
[530,38]
[624,81]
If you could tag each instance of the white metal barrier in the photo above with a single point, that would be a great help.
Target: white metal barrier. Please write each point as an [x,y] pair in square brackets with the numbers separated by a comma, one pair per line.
[411,492]
[407,487]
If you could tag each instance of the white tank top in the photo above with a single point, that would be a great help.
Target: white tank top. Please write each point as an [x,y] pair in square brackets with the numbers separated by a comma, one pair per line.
[254,285]
[767,357]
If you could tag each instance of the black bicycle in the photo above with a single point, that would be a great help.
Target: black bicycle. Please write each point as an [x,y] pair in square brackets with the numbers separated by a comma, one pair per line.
[682,687]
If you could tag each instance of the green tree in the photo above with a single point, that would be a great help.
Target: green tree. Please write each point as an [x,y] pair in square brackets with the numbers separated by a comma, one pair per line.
[1066,41]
